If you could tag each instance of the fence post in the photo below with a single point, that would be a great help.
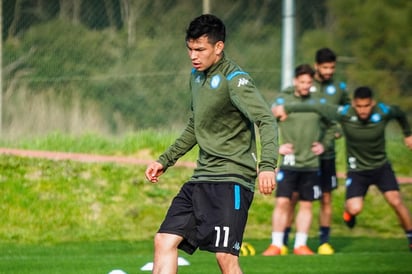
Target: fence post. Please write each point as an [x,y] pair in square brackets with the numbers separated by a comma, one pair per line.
[288,41]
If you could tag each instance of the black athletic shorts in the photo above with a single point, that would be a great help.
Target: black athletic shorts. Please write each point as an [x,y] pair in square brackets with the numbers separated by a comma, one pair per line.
[210,216]
[358,182]
[306,183]
[328,179]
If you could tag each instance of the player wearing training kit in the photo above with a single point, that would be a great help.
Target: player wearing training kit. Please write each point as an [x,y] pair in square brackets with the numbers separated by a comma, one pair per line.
[333,92]
[364,124]
[300,148]
[211,209]
[325,87]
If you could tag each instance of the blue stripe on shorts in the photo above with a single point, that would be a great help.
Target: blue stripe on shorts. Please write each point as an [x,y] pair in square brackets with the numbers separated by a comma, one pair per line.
[237,197]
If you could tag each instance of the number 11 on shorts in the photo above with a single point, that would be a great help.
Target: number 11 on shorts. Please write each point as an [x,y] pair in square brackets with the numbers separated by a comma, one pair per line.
[219,230]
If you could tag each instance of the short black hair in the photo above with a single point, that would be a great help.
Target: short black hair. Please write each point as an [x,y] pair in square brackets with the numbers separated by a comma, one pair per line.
[362,93]
[209,25]
[325,55]
[304,69]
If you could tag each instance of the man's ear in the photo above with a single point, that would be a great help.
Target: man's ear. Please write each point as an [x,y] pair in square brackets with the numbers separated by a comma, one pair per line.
[219,46]
[373,102]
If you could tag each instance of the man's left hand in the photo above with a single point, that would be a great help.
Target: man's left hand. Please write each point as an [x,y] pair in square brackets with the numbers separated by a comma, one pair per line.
[267,182]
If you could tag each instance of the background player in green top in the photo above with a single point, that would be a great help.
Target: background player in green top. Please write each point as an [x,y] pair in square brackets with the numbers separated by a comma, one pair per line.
[211,210]
[326,87]
[333,92]
[364,124]
[300,137]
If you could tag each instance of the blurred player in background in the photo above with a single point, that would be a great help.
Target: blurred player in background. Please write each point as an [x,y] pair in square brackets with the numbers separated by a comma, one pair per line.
[300,148]
[330,91]
[363,125]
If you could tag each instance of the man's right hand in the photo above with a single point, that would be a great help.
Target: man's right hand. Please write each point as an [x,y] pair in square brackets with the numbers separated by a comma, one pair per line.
[153,171]
[285,149]
[279,112]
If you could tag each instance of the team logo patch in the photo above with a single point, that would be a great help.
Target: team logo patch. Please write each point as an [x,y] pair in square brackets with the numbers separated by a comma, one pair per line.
[280,101]
[376,117]
[322,101]
[279,176]
[214,83]
[330,90]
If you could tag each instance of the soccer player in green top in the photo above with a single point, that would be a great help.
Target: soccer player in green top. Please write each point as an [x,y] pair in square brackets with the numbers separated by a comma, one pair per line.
[300,148]
[364,124]
[333,92]
[211,209]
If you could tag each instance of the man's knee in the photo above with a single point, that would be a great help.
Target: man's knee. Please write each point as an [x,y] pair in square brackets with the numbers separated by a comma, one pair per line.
[166,241]
[393,198]
[354,206]
[227,260]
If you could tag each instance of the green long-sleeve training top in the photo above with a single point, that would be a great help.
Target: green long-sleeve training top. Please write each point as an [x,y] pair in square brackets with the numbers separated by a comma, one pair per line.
[301,130]
[365,140]
[332,92]
[226,106]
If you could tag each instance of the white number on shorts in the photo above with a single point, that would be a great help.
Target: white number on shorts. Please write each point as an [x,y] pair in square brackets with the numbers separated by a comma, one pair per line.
[316,192]
[218,232]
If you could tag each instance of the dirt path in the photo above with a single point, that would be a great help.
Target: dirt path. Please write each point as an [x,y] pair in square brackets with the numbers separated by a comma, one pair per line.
[93,158]
[82,157]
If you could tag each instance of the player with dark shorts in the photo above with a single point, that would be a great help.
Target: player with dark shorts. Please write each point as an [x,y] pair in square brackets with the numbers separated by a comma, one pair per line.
[333,92]
[328,180]
[305,183]
[364,123]
[301,145]
[326,88]
[216,228]
[227,113]
[358,182]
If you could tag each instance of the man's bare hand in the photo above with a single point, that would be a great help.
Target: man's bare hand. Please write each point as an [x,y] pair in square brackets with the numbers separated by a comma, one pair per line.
[279,112]
[286,149]
[267,182]
[153,171]
[317,148]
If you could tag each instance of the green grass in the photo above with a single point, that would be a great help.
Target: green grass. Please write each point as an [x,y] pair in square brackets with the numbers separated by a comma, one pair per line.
[354,255]
[72,217]
[46,201]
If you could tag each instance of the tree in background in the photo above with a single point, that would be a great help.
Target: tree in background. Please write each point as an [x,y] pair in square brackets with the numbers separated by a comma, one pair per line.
[376,34]
[127,57]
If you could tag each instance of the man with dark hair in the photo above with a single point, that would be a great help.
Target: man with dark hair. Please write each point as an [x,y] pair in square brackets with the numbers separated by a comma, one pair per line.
[211,209]
[332,92]
[299,169]
[364,124]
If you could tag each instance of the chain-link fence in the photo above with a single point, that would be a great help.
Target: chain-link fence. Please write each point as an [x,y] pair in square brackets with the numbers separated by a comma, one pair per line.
[114,66]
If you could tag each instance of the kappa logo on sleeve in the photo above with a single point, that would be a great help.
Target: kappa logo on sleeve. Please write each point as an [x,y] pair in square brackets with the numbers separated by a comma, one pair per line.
[242,82]
[198,79]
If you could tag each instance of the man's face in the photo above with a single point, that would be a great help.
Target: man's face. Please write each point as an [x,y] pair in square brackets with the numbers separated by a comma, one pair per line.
[325,71]
[203,54]
[302,84]
[363,107]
